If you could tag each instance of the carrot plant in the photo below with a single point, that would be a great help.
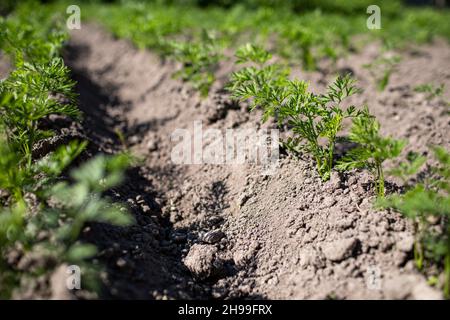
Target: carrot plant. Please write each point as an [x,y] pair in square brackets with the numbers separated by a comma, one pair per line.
[29,95]
[315,119]
[41,214]
[199,59]
[404,170]
[52,231]
[372,149]
[39,86]
[427,204]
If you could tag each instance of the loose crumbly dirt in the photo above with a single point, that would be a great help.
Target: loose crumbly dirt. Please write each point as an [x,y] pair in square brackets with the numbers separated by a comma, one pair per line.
[227,231]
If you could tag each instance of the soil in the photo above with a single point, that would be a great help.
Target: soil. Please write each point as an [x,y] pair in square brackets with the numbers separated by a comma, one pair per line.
[228,231]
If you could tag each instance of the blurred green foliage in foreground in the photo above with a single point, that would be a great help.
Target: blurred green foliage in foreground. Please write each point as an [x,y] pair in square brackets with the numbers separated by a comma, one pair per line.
[41,213]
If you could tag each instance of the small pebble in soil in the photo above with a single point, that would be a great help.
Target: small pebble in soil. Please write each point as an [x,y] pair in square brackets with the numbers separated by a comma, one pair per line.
[121,262]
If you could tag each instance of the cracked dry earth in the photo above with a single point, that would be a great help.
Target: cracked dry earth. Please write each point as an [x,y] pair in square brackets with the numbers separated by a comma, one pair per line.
[227,231]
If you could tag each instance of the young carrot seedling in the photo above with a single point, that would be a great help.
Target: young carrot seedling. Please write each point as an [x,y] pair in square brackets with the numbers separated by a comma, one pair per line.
[372,148]
[315,119]
[428,204]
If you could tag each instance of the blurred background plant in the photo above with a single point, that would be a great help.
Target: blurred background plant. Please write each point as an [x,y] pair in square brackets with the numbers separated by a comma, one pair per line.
[302,32]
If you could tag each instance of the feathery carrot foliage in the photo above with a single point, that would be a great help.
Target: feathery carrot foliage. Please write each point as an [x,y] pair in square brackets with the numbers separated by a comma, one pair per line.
[41,214]
[315,119]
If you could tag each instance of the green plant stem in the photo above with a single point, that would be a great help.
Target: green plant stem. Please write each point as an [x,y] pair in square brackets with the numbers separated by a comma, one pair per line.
[18,195]
[418,255]
[31,143]
[380,176]
[319,165]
